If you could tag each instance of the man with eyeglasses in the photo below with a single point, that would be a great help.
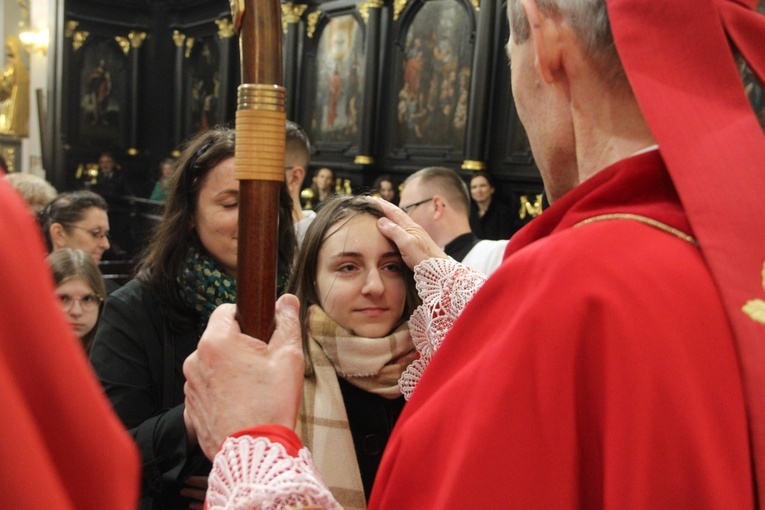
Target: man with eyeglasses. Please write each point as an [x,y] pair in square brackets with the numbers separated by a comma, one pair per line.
[437,199]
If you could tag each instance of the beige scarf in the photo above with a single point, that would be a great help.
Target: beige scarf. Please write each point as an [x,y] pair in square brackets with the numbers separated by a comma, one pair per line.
[372,364]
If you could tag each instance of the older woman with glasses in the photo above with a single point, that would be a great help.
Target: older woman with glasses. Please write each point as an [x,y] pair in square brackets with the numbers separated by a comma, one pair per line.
[77,219]
[151,324]
[80,290]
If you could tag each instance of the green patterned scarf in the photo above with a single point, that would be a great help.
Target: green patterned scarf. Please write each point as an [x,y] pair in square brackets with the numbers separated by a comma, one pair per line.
[204,286]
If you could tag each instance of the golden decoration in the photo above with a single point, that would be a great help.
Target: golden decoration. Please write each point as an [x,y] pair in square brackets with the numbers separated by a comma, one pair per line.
[132,151]
[313,20]
[364,160]
[124,44]
[178,38]
[189,46]
[476,4]
[291,13]
[471,164]
[369,4]
[398,7]
[225,28]
[78,39]
[237,13]
[529,209]
[642,219]
[307,195]
[136,38]
[176,153]
[70,28]
[755,308]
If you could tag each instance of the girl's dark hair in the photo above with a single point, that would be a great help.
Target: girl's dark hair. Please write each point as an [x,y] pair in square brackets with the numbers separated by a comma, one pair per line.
[303,281]
[67,209]
[485,175]
[162,261]
[394,183]
[68,263]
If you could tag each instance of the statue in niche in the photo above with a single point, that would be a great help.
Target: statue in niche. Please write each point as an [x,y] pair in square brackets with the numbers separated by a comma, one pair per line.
[14,91]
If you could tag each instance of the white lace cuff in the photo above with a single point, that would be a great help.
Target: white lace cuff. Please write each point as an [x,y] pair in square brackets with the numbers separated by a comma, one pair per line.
[445,287]
[256,473]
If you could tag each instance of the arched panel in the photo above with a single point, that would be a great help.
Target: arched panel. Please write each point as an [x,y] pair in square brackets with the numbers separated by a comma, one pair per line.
[335,79]
[434,68]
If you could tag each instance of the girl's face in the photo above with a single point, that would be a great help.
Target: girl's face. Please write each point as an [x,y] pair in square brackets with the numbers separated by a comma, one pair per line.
[359,278]
[480,189]
[217,215]
[80,304]
[387,191]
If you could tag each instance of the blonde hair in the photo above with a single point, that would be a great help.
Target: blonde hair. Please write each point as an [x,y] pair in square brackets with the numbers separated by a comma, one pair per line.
[37,192]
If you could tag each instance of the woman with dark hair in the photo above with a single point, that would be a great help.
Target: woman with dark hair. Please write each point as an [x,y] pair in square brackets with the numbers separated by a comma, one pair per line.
[77,219]
[356,296]
[150,325]
[80,289]
[490,218]
[387,187]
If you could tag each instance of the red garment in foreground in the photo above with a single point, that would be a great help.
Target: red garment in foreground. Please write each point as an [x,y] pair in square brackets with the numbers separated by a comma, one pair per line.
[595,369]
[61,444]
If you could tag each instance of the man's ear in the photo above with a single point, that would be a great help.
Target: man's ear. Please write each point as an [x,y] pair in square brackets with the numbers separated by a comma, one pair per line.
[295,178]
[57,235]
[438,207]
[545,34]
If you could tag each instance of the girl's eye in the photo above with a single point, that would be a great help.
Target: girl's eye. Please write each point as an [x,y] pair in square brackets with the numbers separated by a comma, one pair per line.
[89,299]
[395,268]
[346,268]
[230,205]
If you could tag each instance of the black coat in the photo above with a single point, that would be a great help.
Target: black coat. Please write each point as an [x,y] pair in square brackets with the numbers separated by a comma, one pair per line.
[496,224]
[139,361]
[371,419]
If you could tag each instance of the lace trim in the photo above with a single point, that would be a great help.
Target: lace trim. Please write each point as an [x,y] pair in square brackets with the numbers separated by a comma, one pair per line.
[445,287]
[256,473]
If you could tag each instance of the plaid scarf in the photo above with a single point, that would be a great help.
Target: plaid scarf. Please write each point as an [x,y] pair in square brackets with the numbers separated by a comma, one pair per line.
[203,285]
[372,364]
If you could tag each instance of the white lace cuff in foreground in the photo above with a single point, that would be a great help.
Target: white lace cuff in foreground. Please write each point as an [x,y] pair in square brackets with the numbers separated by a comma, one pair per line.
[445,287]
[256,473]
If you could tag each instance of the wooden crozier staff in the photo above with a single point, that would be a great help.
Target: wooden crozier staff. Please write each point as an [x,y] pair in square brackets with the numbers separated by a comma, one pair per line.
[259,160]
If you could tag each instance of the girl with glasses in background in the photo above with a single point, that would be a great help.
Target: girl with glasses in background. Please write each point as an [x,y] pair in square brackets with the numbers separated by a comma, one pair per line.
[80,290]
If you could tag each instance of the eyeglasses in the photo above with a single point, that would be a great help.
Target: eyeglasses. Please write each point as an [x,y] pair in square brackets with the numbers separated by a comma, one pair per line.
[412,206]
[97,233]
[88,302]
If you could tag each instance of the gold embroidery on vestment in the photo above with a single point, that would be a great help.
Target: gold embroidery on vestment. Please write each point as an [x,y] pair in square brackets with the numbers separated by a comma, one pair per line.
[645,220]
[755,308]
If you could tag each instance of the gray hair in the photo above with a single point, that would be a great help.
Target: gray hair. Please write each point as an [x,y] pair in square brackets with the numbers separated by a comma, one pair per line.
[589,19]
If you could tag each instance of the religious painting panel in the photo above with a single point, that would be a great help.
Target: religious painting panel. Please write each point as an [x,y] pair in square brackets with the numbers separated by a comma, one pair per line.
[204,82]
[101,98]
[434,85]
[336,81]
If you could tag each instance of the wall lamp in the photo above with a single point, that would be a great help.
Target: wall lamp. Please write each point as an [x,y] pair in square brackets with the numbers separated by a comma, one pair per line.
[35,40]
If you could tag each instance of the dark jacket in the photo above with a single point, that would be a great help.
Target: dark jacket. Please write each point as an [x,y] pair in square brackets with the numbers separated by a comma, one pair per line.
[371,419]
[496,224]
[139,361]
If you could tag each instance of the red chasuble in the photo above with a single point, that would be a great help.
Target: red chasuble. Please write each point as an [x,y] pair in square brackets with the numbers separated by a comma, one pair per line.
[596,368]
[61,444]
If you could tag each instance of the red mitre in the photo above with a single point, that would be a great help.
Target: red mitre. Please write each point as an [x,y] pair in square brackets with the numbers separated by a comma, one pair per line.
[678,59]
